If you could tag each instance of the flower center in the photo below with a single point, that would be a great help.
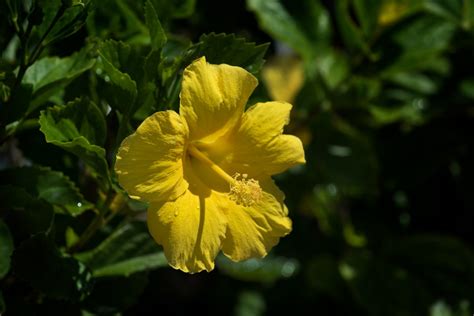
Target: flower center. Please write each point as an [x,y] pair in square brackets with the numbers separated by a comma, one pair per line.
[243,191]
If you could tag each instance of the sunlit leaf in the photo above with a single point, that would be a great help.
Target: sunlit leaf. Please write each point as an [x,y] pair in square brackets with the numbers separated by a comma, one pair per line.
[78,127]
[51,74]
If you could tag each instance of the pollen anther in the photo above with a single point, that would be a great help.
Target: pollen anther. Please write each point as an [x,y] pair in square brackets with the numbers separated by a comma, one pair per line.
[245,191]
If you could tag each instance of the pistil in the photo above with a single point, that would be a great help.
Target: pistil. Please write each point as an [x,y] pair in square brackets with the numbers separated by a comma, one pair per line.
[242,191]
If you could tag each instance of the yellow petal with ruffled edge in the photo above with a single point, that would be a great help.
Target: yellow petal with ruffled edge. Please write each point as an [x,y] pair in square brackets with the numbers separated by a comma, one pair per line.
[149,162]
[213,98]
[252,231]
[258,145]
[190,229]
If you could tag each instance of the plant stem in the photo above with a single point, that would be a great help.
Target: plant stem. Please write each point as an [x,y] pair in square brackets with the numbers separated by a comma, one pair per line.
[97,223]
[39,47]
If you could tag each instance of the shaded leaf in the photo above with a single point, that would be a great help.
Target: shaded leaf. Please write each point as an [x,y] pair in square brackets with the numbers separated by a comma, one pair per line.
[409,113]
[274,19]
[121,88]
[456,11]
[174,9]
[133,265]
[228,49]
[410,274]
[324,277]
[6,249]
[251,303]
[345,157]
[350,32]
[71,18]
[52,186]
[381,287]
[53,274]
[266,270]
[128,250]
[367,12]
[444,263]
[112,295]
[24,212]
[414,43]
[18,106]
[2,303]
[157,34]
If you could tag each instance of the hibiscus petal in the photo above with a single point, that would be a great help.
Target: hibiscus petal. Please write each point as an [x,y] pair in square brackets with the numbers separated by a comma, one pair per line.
[258,146]
[149,162]
[213,98]
[253,231]
[190,229]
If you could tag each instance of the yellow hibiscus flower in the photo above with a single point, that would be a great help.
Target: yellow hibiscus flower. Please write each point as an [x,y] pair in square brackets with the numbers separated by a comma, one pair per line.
[206,172]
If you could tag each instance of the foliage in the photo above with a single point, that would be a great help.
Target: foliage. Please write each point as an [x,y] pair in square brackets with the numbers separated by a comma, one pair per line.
[382,210]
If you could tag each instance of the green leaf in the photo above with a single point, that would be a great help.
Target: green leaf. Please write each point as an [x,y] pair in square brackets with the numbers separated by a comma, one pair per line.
[19,105]
[78,127]
[53,274]
[80,117]
[24,212]
[414,44]
[70,19]
[177,9]
[312,18]
[250,303]
[323,276]
[350,32]
[121,88]
[444,262]
[52,186]
[49,75]
[112,295]
[410,274]
[383,288]
[157,34]
[345,157]
[457,11]
[440,308]
[224,48]
[415,81]
[367,15]
[324,204]
[266,270]
[133,265]
[6,249]
[408,113]
[275,20]
[128,250]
